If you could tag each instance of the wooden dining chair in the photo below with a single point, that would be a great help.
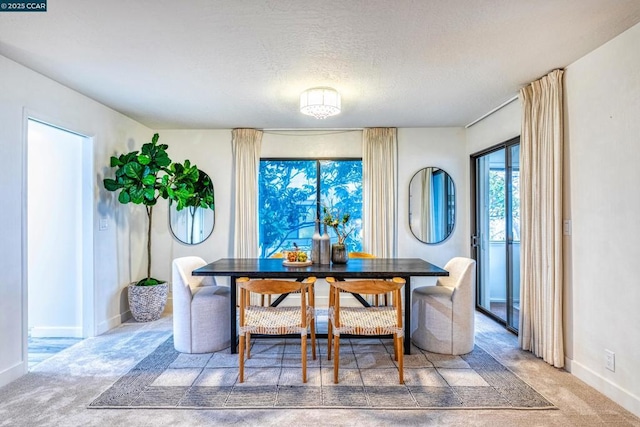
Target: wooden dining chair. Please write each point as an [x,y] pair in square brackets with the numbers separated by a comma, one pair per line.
[367,255]
[257,319]
[264,298]
[365,320]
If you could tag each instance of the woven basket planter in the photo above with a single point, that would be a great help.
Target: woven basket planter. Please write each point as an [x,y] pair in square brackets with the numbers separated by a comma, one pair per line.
[147,302]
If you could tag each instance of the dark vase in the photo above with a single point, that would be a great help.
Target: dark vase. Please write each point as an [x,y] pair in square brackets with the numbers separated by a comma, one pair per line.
[339,254]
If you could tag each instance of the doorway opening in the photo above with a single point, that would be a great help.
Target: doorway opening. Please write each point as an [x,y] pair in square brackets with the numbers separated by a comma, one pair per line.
[59,239]
[496,231]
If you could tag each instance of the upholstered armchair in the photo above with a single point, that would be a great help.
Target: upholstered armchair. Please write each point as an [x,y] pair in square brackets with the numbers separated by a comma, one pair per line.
[200,313]
[444,314]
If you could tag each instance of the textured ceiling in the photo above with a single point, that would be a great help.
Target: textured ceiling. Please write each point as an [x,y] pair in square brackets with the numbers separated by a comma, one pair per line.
[244,63]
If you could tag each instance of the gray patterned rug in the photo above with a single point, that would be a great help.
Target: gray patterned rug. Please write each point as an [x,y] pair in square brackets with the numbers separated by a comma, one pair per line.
[368,379]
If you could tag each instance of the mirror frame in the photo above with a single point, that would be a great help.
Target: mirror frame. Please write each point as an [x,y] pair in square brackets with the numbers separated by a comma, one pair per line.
[450,208]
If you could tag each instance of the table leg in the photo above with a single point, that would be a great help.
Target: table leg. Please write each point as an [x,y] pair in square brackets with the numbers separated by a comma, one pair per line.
[407,315]
[234,297]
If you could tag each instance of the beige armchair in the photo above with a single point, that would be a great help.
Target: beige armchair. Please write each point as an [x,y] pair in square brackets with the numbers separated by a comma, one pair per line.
[443,315]
[200,313]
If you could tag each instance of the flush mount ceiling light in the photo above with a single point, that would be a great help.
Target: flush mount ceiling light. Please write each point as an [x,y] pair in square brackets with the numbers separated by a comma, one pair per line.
[320,102]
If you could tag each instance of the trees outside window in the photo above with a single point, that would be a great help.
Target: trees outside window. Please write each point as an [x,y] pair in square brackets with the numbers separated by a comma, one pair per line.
[497,192]
[292,193]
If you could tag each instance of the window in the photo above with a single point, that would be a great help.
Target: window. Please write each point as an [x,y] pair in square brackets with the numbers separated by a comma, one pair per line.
[292,193]
[497,207]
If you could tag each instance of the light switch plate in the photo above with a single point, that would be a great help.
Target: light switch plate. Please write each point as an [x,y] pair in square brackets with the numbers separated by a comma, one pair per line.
[610,360]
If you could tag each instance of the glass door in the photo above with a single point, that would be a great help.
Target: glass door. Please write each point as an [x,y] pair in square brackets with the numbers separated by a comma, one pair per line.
[496,236]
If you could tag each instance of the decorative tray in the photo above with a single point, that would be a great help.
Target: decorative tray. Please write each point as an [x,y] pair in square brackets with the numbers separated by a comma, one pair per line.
[297,263]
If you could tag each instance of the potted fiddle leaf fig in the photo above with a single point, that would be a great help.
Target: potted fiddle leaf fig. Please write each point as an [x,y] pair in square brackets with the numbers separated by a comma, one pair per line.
[143,177]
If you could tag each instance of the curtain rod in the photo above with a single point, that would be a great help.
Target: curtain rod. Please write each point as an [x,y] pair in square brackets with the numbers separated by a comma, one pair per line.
[309,129]
[504,104]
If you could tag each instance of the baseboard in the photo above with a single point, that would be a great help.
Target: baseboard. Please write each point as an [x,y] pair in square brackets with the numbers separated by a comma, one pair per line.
[568,364]
[13,373]
[614,392]
[52,331]
[112,322]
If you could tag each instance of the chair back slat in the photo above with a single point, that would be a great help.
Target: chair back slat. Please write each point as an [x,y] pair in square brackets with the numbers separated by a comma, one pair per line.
[272,286]
[370,286]
[356,255]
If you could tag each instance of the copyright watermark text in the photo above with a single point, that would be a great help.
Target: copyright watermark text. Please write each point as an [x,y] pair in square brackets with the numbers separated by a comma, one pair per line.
[18,6]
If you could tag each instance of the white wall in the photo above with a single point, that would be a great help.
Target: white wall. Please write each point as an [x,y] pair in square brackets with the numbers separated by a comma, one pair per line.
[443,148]
[24,91]
[417,148]
[602,129]
[500,126]
[602,103]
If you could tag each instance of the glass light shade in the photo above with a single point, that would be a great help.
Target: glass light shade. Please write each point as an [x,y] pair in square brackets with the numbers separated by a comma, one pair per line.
[320,102]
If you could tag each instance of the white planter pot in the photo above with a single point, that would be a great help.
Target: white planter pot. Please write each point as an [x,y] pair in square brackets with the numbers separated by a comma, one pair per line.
[147,302]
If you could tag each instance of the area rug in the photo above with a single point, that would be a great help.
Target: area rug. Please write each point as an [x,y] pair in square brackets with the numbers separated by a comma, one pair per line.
[368,379]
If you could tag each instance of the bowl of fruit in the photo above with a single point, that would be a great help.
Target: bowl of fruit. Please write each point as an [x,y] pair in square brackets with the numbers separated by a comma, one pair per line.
[296,258]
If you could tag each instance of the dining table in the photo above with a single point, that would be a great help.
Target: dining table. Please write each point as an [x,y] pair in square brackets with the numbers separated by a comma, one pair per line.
[368,268]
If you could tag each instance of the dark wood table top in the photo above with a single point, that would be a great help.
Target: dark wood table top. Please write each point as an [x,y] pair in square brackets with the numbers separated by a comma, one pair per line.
[363,268]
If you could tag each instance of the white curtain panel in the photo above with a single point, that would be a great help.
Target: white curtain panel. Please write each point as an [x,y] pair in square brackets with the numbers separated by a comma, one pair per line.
[541,215]
[246,157]
[379,191]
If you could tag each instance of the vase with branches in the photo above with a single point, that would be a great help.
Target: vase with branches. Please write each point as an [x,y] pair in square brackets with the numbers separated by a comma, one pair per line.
[338,221]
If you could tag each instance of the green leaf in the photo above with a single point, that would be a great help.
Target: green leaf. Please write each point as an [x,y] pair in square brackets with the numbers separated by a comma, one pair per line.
[111,184]
[149,180]
[133,170]
[162,159]
[155,138]
[137,195]
[124,198]
[149,193]
[126,158]
[144,159]
[115,162]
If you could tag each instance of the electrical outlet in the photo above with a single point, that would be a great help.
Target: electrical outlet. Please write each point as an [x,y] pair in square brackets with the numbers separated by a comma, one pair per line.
[610,360]
[103,224]
[566,227]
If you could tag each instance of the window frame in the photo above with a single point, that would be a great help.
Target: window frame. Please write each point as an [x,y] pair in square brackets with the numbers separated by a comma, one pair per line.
[317,160]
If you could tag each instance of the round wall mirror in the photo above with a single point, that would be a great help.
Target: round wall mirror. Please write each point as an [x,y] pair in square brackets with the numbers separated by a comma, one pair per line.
[431,205]
[194,223]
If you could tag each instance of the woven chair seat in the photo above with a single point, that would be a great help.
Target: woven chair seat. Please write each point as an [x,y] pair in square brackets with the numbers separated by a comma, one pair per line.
[366,321]
[275,320]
